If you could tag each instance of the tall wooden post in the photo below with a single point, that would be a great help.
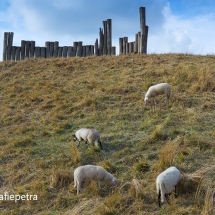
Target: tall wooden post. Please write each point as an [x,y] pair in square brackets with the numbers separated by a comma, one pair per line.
[146,38]
[96,47]
[56,44]
[136,44]
[65,51]
[22,49]
[125,40]
[47,49]
[5,42]
[32,48]
[51,48]
[60,50]
[142,29]
[105,38]
[9,45]
[79,49]
[101,42]
[75,47]
[109,36]
[27,49]
[13,53]
[18,49]
[120,46]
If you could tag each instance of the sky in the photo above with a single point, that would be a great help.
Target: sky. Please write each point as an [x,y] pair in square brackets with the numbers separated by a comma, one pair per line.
[175,26]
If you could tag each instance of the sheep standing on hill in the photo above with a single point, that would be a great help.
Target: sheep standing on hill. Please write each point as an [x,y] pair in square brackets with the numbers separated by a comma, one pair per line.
[166,182]
[158,89]
[91,172]
[89,135]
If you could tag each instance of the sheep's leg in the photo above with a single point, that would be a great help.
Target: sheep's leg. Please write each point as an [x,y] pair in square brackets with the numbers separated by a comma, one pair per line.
[167,197]
[100,143]
[78,143]
[99,184]
[159,198]
[78,188]
[175,194]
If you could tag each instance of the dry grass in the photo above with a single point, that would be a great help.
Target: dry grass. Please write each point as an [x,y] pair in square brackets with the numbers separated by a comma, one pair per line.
[43,101]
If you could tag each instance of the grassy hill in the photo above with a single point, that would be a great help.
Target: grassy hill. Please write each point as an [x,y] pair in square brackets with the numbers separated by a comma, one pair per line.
[44,101]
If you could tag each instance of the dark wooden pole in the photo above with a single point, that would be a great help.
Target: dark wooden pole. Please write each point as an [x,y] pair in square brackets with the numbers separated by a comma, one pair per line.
[136,44]
[22,49]
[125,40]
[60,50]
[96,47]
[79,49]
[47,45]
[18,49]
[42,52]
[142,29]
[113,50]
[9,45]
[27,49]
[5,43]
[70,51]
[32,48]
[146,38]
[88,53]
[109,36]
[65,51]
[13,53]
[101,42]
[91,50]
[75,45]
[56,44]
[37,53]
[105,37]
[83,51]
[51,48]
[120,46]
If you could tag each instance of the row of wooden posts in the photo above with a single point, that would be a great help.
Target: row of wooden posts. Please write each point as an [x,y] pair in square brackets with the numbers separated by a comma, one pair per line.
[103,46]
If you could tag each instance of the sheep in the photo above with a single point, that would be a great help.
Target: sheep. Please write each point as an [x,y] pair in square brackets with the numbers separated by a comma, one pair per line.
[91,172]
[158,89]
[89,135]
[166,182]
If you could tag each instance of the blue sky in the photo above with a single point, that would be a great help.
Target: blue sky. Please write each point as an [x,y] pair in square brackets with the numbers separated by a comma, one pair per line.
[176,26]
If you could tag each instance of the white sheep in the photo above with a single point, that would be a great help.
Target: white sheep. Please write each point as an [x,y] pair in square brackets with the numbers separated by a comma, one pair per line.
[89,135]
[91,172]
[166,182]
[158,89]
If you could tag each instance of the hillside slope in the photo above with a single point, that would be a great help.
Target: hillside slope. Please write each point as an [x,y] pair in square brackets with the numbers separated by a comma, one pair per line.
[44,101]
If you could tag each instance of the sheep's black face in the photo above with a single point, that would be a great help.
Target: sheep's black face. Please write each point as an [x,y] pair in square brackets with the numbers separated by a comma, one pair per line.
[74,137]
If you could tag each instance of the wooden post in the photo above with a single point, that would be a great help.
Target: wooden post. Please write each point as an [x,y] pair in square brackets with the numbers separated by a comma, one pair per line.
[127,48]
[113,50]
[70,51]
[96,47]
[32,48]
[88,50]
[13,53]
[131,47]
[105,38]
[75,45]
[109,36]
[9,45]
[65,51]
[91,50]
[22,49]
[37,52]
[79,49]
[60,50]
[4,57]
[47,49]
[51,48]
[146,38]
[101,41]
[83,51]
[120,46]
[56,44]
[142,29]
[136,44]
[125,40]
[27,49]
[18,49]
[139,42]
[43,52]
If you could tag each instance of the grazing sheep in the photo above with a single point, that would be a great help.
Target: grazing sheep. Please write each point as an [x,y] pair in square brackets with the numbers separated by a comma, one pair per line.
[166,182]
[89,135]
[158,89]
[91,172]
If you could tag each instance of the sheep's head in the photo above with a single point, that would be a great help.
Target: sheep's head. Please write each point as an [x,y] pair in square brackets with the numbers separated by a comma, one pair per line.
[74,137]
[146,100]
[114,180]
